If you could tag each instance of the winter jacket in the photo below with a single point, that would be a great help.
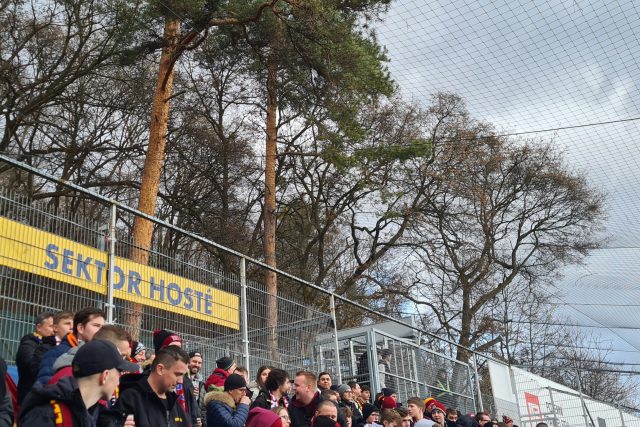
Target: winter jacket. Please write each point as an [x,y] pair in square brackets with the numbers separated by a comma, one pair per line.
[222,410]
[46,366]
[37,410]
[301,415]
[260,417]
[138,398]
[264,400]
[216,379]
[26,349]
[6,406]
[356,419]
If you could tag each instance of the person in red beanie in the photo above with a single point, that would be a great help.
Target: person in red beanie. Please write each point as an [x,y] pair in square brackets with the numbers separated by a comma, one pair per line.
[508,421]
[388,403]
[261,417]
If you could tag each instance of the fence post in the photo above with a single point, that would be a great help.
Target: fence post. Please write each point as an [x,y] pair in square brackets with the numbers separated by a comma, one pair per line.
[621,416]
[245,318]
[374,372]
[332,301]
[112,261]
[553,407]
[480,406]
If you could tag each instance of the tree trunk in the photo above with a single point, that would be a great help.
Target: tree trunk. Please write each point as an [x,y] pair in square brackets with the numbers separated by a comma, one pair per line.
[154,161]
[269,214]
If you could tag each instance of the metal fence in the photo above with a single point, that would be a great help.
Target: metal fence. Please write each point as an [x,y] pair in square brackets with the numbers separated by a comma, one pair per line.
[53,260]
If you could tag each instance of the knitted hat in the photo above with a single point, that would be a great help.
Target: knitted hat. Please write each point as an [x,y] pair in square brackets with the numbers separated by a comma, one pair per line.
[137,348]
[224,363]
[234,382]
[163,338]
[388,392]
[343,388]
[429,401]
[368,409]
[389,403]
[261,417]
[323,421]
[439,407]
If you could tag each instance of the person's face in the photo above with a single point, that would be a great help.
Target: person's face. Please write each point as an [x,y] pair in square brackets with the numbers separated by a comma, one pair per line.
[366,395]
[237,393]
[172,375]
[304,392]
[357,391]
[395,396]
[284,416]
[483,420]
[438,416]
[89,329]
[232,369]
[414,410]
[264,375]
[390,424]
[109,381]
[373,418]
[328,411]
[406,421]
[141,357]
[124,349]
[452,417]
[195,364]
[324,382]
[63,327]
[347,396]
[45,328]
[286,387]
[509,424]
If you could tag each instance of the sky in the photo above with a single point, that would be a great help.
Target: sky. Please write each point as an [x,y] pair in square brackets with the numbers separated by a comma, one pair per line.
[566,71]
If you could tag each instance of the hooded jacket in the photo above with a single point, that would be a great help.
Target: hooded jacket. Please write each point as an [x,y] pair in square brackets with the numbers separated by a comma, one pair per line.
[138,398]
[216,379]
[222,410]
[36,409]
[46,366]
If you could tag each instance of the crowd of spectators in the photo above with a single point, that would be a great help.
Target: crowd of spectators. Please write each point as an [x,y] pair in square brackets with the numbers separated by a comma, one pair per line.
[76,371]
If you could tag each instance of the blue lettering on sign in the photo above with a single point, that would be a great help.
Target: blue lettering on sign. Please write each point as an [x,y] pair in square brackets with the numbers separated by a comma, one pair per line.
[134,281]
[153,288]
[61,259]
[188,297]
[178,293]
[81,267]
[118,284]
[51,253]
[67,260]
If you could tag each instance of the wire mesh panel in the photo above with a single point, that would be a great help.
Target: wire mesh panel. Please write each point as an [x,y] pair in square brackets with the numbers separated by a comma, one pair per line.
[543,400]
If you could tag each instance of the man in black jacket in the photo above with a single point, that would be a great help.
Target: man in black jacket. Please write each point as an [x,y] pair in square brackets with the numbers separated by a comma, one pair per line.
[73,401]
[150,399]
[305,403]
[28,345]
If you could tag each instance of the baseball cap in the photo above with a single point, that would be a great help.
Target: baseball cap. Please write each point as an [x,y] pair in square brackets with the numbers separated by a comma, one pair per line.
[97,356]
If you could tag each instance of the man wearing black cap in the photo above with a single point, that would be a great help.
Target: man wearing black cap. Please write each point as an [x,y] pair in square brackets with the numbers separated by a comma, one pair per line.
[228,408]
[74,400]
[225,367]
[151,398]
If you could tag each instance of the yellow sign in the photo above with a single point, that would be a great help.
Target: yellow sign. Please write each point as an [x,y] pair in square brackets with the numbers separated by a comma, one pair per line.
[28,249]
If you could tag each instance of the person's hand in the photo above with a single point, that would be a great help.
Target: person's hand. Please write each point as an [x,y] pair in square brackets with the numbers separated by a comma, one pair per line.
[245,400]
[129,422]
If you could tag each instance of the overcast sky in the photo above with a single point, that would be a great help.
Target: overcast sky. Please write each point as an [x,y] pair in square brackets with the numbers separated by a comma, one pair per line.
[529,65]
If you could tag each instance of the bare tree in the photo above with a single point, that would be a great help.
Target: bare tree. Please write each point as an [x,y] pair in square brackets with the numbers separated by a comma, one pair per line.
[498,213]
